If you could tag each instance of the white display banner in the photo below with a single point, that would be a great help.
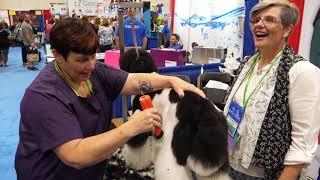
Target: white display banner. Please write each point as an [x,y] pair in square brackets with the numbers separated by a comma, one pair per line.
[4,16]
[59,9]
[87,7]
[210,23]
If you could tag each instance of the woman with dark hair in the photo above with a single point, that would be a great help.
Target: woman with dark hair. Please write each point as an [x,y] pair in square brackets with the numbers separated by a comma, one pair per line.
[96,24]
[272,110]
[4,43]
[105,34]
[67,135]
[18,38]
[47,29]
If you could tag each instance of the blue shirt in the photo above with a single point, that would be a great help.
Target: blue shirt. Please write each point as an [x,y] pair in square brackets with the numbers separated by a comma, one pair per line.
[166,32]
[140,29]
[176,46]
[52,114]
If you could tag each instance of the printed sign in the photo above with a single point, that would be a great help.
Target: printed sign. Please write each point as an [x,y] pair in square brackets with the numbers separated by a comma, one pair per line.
[4,16]
[86,7]
[12,13]
[38,13]
[59,9]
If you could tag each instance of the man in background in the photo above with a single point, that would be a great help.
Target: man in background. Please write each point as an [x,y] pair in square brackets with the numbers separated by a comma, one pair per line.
[28,40]
[140,31]
[166,34]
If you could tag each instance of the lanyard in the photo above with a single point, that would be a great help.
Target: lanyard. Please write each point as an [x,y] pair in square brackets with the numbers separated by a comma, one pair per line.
[134,35]
[250,75]
[67,79]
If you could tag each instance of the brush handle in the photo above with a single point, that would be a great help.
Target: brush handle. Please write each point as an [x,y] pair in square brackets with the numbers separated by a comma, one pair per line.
[146,103]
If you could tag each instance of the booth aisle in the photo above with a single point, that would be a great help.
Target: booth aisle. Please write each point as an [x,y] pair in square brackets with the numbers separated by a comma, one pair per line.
[14,80]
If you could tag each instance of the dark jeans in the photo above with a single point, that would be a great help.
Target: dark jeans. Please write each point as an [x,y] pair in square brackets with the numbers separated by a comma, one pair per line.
[4,56]
[103,48]
[23,52]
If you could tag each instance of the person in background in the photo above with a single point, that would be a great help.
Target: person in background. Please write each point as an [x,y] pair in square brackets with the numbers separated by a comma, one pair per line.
[28,40]
[18,38]
[91,21]
[194,44]
[96,24]
[13,26]
[47,29]
[174,42]
[166,34]
[114,23]
[4,44]
[67,135]
[105,34]
[85,18]
[276,99]
[140,31]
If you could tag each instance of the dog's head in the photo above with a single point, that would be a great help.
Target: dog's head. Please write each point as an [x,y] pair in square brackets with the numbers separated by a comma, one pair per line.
[140,62]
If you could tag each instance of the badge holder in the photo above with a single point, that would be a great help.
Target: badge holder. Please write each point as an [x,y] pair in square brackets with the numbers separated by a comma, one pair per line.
[234,117]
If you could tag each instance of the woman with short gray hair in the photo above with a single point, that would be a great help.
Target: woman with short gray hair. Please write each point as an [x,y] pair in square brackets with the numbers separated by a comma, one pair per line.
[272,108]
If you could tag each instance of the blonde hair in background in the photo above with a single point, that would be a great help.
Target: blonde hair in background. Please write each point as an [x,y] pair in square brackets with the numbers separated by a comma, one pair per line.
[105,22]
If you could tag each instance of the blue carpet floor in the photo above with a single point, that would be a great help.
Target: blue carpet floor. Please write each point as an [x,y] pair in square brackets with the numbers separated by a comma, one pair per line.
[14,79]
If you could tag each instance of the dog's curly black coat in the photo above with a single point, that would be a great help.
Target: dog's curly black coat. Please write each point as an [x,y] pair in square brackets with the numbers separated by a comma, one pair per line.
[200,132]
[133,63]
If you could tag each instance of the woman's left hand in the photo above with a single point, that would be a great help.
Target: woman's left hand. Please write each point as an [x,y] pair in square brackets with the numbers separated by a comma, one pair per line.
[180,86]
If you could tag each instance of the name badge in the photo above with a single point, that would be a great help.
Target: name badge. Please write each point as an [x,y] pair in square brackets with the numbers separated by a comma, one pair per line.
[234,117]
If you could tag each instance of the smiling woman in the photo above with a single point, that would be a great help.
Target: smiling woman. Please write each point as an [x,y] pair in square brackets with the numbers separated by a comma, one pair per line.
[277,101]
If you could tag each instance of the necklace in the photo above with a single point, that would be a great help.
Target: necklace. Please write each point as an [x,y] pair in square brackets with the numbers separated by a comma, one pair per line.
[68,80]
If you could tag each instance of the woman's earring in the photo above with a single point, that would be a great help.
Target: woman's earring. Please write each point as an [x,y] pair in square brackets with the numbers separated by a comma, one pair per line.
[58,60]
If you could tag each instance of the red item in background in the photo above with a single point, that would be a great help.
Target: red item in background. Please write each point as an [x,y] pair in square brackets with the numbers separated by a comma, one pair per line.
[173,3]
[294,39]
[47,15]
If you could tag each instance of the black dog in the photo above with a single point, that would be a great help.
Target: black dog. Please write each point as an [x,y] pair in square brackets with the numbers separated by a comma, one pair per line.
[142,62]
[194,142]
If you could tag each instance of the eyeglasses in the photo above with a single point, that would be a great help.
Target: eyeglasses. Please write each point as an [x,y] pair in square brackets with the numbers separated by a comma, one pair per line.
[266,20]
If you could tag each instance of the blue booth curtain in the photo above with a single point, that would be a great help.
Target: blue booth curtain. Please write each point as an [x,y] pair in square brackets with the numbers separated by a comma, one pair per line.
[248,44]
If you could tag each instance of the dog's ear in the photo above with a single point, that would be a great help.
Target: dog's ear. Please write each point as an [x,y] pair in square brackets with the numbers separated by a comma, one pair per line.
[184,132]
[181,141]
[211,139]
[143,63]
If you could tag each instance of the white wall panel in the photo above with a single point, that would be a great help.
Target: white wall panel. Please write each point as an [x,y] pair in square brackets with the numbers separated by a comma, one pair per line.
[212,23]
